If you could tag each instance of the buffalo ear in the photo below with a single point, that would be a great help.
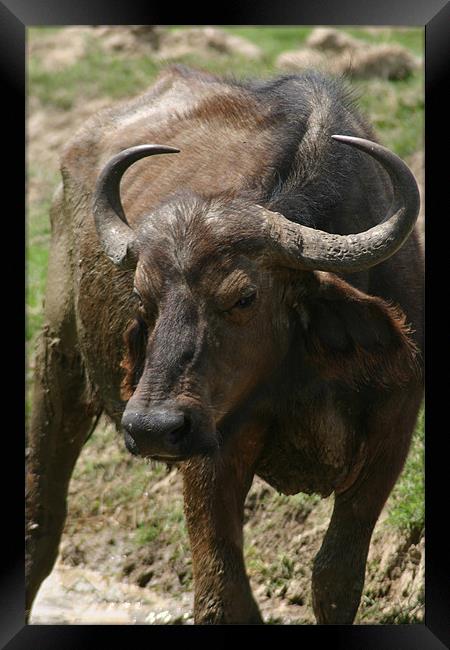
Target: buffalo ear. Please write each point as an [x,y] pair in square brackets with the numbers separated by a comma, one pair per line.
[357,338]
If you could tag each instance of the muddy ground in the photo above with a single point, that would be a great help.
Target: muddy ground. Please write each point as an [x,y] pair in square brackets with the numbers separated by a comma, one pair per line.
[124,555]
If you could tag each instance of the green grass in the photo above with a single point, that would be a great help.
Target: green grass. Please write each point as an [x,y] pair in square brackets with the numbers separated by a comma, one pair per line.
[274,40]
[147,533]
[95,74]
[413,39]
[396,111]
[37,32]
[168,524]
[406,503]
[38,238]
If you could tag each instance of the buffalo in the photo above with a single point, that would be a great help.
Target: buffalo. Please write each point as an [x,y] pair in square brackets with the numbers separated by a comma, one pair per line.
[248,304]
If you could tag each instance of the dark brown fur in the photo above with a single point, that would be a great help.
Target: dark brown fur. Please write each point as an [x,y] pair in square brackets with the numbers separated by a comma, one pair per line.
[375,345]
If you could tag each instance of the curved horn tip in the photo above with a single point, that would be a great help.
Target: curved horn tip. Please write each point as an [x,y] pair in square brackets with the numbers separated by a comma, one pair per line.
[348,138]
[155,147]
[132,154]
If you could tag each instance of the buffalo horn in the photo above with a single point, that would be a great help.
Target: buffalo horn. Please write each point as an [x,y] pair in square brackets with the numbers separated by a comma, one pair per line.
[307,248]
[116,236]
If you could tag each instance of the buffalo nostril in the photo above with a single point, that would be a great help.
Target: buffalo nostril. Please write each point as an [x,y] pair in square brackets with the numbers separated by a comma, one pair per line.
[130,444]
[176,435]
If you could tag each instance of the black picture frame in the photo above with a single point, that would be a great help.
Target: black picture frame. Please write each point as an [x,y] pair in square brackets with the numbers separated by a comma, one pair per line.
[434,16]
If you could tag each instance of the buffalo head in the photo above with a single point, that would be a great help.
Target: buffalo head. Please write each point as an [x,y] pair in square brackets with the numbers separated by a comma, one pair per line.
[218,282]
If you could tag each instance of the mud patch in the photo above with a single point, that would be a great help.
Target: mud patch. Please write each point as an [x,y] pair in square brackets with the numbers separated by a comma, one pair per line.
[58,50]
[79,596]
[337,52]
[205,42]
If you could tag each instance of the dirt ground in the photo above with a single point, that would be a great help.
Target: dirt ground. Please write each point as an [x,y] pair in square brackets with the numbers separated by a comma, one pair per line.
[108,572]
[113,566]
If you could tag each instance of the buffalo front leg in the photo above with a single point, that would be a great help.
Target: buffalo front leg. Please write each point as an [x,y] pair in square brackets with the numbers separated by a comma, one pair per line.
[339,567]
[214,495]
[60,424]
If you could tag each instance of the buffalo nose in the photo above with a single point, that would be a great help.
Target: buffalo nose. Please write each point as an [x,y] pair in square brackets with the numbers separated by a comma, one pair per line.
[159,433]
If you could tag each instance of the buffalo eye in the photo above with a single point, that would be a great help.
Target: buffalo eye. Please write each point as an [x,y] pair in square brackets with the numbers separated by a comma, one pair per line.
[147,309]
[245,302]
[138,296]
